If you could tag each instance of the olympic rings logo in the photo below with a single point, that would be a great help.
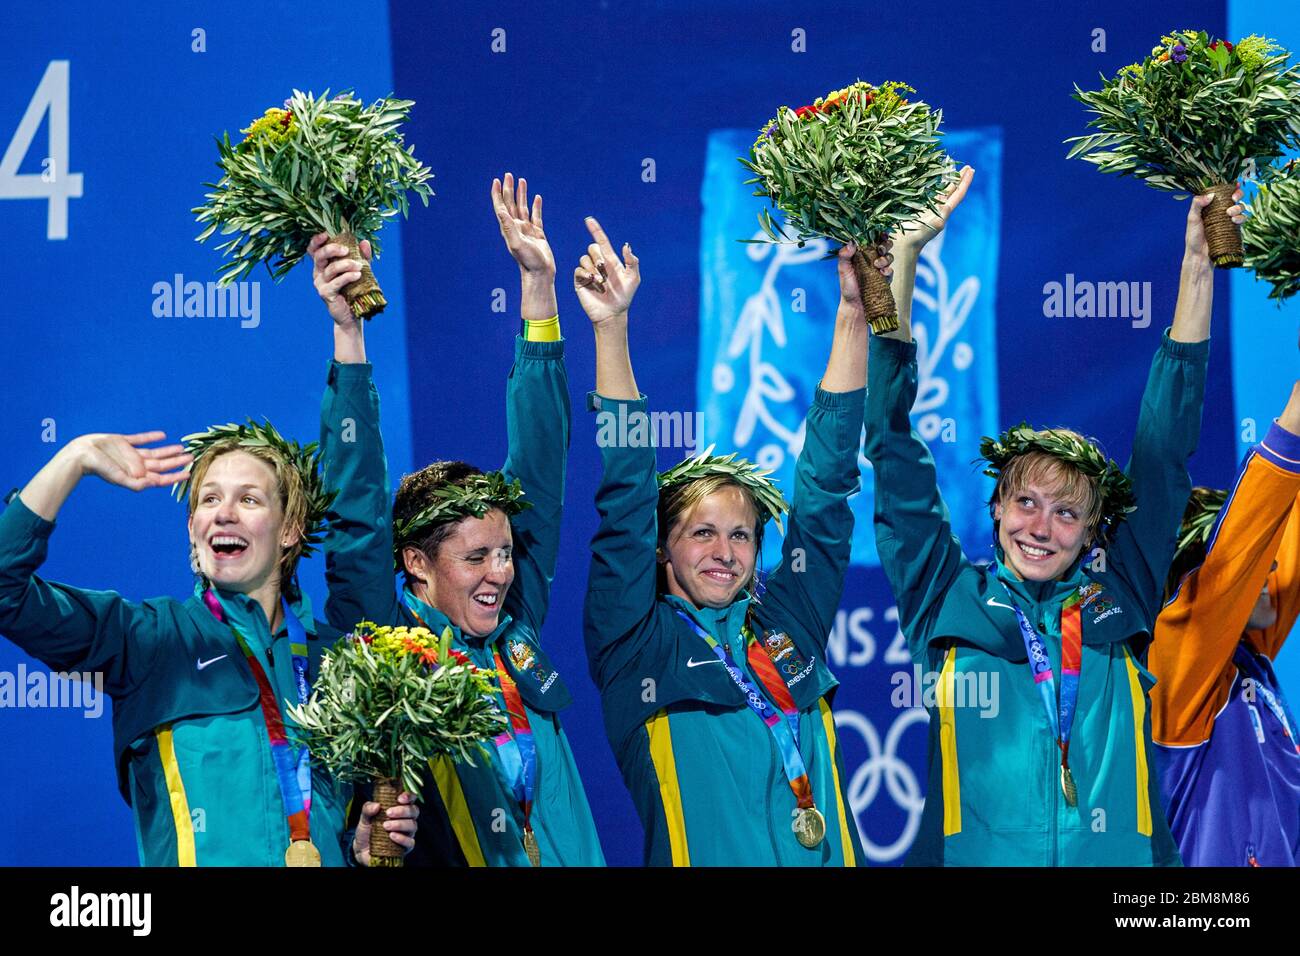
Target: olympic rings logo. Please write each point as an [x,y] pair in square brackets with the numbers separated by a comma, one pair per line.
[883,765]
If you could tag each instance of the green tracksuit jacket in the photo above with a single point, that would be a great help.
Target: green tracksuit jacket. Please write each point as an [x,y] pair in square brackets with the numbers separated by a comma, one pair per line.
[470,816]
[189,737]
[994,794]
[703,769]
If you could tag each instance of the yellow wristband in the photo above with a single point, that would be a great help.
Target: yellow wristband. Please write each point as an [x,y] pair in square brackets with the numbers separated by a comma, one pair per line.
[548,330]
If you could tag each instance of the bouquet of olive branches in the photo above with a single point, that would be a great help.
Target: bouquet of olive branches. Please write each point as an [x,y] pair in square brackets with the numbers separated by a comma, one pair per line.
[1193,117]
[852,166]
[389,699]
[1271,235]
[318,165]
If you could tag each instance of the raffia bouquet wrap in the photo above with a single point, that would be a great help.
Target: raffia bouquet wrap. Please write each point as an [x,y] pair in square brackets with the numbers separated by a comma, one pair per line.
[1194,117]
[388,700]
[317,165]
[851,166]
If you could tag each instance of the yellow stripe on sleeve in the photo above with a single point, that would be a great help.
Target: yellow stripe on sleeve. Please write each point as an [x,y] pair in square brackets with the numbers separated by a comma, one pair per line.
[453,799]
[1139,745]
[948,745]
[176,794]
[670,794]
[546,330]
[846,840]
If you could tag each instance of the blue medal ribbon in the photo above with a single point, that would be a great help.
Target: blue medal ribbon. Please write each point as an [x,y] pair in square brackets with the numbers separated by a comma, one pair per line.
[786,736]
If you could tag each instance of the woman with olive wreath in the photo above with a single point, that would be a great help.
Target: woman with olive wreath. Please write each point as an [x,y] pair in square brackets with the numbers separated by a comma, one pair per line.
[202,739]
[716,694]
[1063,773]
[477,552]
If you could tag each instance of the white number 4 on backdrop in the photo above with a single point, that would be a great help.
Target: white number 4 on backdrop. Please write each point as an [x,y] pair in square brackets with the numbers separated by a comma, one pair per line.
[55,182]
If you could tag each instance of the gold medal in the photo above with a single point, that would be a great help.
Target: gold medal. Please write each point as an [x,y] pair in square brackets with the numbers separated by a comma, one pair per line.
[531,848]
[809,826]
[302,853]
[1068,788]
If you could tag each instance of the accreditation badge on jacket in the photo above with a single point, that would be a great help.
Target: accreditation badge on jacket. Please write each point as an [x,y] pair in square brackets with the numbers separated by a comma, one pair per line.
[538,681]
[785,657]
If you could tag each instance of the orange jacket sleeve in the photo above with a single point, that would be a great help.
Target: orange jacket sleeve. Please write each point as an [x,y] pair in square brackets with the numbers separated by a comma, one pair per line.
[1284,587]
[1198,631]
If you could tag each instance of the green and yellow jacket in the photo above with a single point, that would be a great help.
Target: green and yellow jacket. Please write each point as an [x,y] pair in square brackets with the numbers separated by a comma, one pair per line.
[189,737]
[994,796]
[703,769]
[470,815]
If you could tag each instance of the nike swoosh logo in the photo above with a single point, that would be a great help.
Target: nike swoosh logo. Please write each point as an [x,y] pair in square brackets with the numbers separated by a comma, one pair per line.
[992,603]
[203,664]
[692,662]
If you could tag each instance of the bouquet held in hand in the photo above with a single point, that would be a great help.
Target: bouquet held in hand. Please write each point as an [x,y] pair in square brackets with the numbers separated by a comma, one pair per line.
[852,166]
[1194,117]
[318,165]
[388,700]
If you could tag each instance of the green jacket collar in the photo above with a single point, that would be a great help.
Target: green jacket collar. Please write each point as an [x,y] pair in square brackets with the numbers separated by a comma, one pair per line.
[247,614]
[1039,592]
[722,623]
[534,674]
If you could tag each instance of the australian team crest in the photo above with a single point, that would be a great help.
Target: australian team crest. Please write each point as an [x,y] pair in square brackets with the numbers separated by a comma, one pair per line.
[778,646]
[1088,593]
[1094,600]
[522,656]
[784,656]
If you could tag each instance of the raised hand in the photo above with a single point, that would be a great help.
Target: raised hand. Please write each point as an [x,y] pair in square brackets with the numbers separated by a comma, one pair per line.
[850,294]
[521,228]
[912,236]
[604,283]
[1195,241]
[332,270]
[119,460]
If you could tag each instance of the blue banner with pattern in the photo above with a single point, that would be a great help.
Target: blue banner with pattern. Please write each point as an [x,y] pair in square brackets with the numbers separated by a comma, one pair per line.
[767,312]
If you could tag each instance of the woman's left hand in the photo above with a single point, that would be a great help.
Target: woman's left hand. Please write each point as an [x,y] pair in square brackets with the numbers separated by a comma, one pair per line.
[401,825]
[1196,244]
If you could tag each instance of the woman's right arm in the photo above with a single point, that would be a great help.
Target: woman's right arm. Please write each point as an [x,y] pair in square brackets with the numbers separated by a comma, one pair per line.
[621,589]
[69,628]
[1198,631]
[918,551]
[359,539]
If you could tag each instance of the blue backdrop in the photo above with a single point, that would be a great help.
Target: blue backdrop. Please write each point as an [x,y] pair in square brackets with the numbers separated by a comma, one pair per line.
[633,113]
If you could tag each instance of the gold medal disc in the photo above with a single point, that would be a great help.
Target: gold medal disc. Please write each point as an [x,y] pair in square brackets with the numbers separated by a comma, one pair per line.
[302,853]
[809,827]
[1068,788]
[531,848]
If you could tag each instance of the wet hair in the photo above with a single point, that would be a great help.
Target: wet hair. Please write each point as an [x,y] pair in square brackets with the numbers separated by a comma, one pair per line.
[677,502]
[1060,477]
[293,497]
